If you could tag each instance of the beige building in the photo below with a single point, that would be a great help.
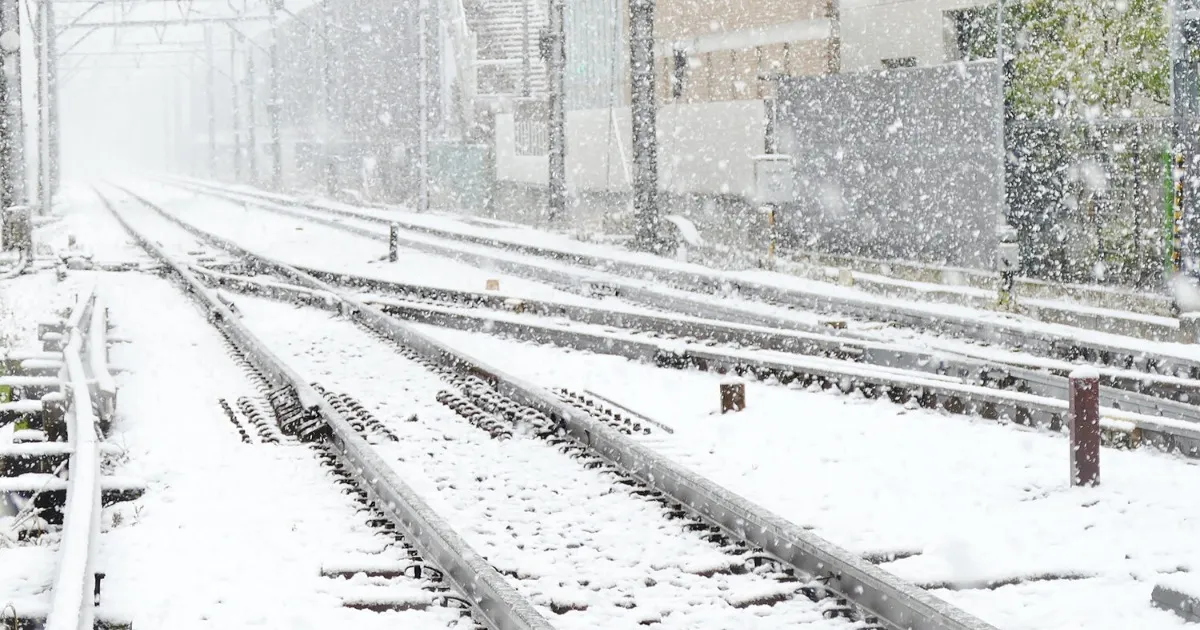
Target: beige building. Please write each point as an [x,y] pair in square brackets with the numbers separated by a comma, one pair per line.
[881,33]
[716,62]
[726,50]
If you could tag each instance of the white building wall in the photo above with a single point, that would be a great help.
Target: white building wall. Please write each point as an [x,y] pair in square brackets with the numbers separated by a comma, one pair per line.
[704,148]
[874,30]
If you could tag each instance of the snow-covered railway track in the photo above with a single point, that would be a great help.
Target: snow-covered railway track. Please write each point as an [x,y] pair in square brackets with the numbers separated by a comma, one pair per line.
[52,469]
[956,384]
[829,571]
[582,542]
[1057,343]
[1123,389]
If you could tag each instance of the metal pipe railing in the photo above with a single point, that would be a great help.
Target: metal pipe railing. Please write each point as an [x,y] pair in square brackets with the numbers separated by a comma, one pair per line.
[72,604]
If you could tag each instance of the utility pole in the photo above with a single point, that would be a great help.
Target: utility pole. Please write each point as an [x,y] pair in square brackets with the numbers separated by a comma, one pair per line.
[235,113]
[326,108]
[423,107]
[558,112]
[1185,111]
[211,94]
[273,105]
[52,88]
[12,148]
[251,123]
[645,124]
[42,38]
[526,54]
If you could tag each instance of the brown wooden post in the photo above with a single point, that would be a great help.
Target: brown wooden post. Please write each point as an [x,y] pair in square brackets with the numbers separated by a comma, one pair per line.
[733,395]
[1084,412]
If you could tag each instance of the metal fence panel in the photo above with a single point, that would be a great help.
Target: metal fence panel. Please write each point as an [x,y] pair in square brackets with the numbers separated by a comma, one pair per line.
[901,164]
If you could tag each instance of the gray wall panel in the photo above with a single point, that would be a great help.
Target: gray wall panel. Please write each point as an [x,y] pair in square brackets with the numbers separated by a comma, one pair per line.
[903,164]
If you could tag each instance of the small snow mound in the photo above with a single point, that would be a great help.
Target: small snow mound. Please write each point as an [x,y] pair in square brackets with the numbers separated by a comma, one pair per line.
[1085,372]
[759,595]
[1187,293]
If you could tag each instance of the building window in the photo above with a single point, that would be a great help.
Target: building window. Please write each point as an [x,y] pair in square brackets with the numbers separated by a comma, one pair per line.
[971,33]
[678,73]
[900,62]
[530,124]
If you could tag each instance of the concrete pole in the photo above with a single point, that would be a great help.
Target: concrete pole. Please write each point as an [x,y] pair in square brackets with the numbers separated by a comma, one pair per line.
[526,53]
[274,107]
[1184,16]
[211,94]
[423,111]
[235,113]
[645,126]
[558,112]
[326,97]
[251,116]
[12,136]
[41,40]
[53,113]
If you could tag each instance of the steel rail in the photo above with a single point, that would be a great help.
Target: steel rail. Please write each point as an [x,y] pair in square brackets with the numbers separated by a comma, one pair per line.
[899,603]
[1133,396]
[97,354]
[1122,427]
[72,605]
[492,598]
[716,282]
[1143,394]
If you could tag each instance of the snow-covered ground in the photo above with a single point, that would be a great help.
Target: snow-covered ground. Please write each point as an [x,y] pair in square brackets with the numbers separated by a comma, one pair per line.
[227,534]
[302,243]
[305,243]
[26,570]
[567,537]
[524,235]
[979,501]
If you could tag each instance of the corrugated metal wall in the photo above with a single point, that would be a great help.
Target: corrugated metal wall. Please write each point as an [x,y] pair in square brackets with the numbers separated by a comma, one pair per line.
[902,164]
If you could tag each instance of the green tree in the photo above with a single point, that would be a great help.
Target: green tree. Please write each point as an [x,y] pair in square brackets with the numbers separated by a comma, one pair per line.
[1080,58]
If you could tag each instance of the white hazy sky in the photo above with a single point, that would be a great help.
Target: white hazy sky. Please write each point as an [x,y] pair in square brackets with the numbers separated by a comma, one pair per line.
[123,99]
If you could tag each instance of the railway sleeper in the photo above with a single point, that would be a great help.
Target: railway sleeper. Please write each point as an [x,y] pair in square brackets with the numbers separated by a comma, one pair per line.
[740,554]
[414,584]
[265,426]
[236,421]
[30,453]
[48,493]
[294,419]
[10,621]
